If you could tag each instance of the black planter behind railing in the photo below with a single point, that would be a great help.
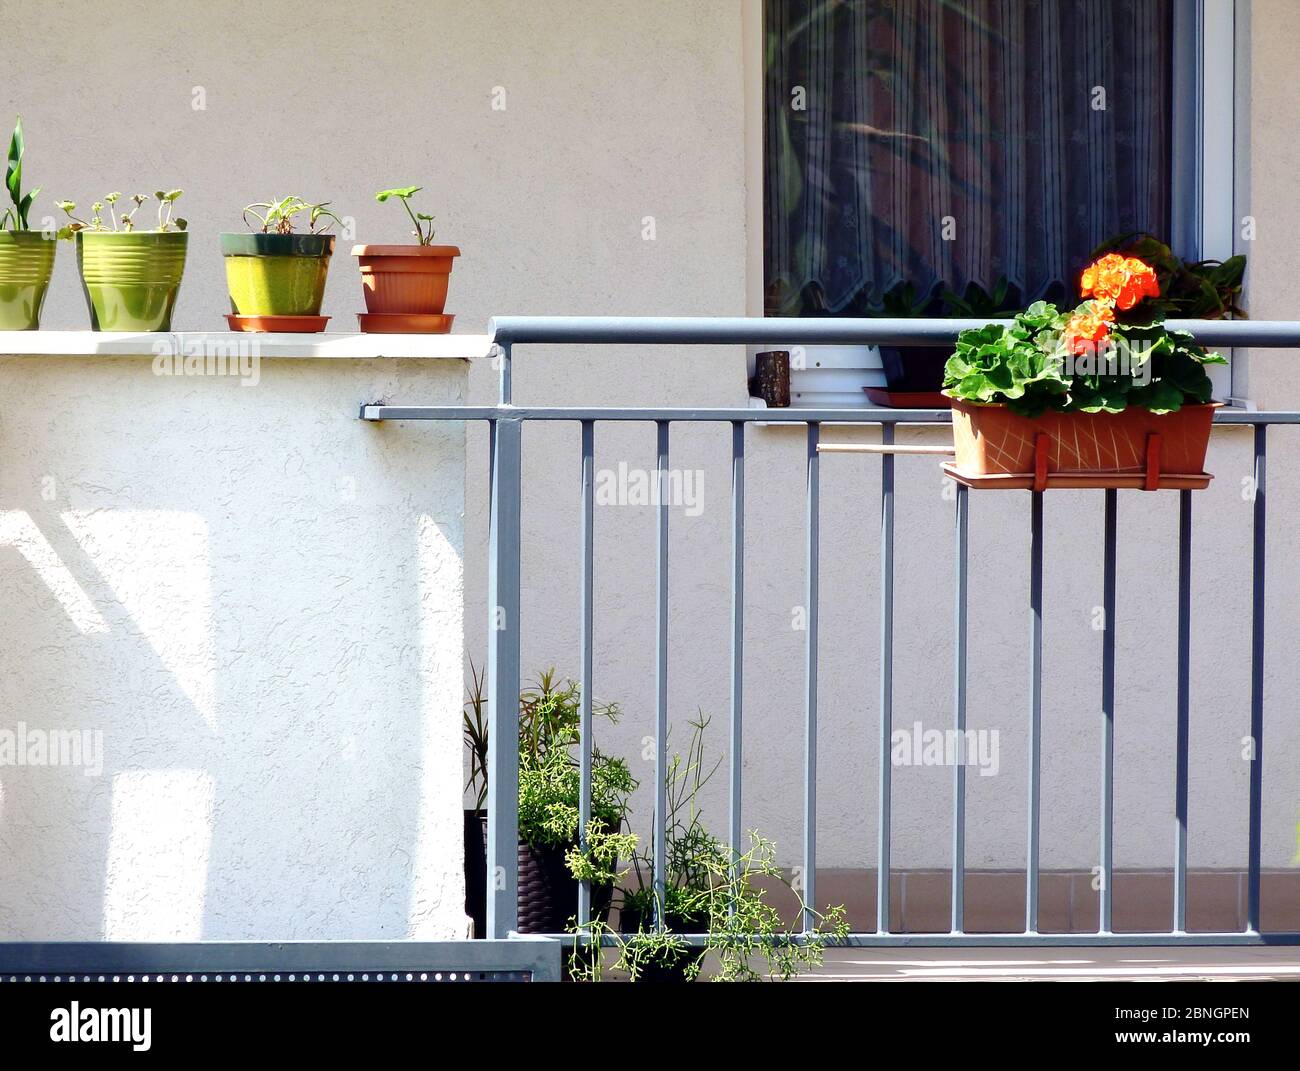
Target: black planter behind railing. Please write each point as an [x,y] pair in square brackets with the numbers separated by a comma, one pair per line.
[914,369]
[548,893]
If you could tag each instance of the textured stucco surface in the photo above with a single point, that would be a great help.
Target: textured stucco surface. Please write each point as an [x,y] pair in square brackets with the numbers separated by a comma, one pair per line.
[256,598]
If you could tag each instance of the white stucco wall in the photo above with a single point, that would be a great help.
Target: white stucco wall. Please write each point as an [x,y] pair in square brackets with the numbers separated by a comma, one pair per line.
[254,599]
[615,111]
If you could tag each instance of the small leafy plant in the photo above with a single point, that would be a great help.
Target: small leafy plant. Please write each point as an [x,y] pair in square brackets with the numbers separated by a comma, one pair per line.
[1111,352]
[278,217]
[709,889]
[423,232]
[550,779]
[123,221]
[15,216]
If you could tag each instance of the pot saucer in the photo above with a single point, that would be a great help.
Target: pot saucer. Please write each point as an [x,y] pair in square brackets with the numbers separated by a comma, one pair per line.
[290,324]
[404,323]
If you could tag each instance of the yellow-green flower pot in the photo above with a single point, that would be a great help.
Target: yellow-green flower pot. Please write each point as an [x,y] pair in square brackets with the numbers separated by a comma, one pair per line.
[276,274]
[26,260]
[131,278]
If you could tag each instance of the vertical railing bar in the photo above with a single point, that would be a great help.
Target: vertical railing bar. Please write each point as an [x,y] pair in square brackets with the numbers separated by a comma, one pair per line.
[959,713]
[811,578]
[1257,683]
[1108,707]
[661,674]
[737,627]
[1035,705]
[505,386]
[1184,707]
[886,676]
[585,646]
[503,679]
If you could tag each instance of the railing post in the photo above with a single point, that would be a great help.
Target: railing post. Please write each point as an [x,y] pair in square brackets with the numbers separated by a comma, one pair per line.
[1035,705]
[1108,583]
[503,679]
[962,590]
[811,581]
[737,631]
[660,846]
[1258,560]
[586,598]
[884,823]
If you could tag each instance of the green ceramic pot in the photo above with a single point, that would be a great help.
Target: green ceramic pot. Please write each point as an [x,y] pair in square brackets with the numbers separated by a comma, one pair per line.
[276,274]
[131,278]
[26,260]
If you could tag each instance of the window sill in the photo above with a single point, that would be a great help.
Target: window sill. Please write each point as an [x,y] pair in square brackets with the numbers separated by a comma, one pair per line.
[338,346]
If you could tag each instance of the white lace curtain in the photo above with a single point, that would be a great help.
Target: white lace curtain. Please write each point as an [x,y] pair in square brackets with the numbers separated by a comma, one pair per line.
[949,141]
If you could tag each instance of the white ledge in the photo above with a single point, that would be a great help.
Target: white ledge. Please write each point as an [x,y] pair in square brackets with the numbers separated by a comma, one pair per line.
[340,346]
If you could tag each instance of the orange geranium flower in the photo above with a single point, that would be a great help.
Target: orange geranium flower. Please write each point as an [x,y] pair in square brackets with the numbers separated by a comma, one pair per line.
[1119,280]
[1088,327]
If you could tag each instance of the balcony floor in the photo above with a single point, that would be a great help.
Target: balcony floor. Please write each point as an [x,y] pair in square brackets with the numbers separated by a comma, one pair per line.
[1058,965]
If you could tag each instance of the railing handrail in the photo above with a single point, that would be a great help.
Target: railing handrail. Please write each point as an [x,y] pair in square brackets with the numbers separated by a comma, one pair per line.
[828,330]
[377,412]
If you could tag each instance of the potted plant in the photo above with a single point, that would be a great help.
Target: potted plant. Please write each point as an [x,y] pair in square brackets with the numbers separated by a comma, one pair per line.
[709,889]
[405,286]
[26,256]
[276,275]
[1103,395]
[914,374]
[551,862]
[1189,290]
[130,275]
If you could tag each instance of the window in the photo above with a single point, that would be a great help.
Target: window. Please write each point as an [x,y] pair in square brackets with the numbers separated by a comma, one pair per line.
[945,142]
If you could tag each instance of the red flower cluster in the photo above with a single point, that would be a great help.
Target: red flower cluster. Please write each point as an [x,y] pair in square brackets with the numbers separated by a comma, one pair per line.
[1119,280]
[1089,326]
[1113,281]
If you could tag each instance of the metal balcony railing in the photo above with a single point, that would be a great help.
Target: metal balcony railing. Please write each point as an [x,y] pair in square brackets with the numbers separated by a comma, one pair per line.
[506,421]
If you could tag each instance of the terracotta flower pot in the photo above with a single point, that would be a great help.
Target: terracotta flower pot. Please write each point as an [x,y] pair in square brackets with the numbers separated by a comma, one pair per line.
[410,279]
[1134,448]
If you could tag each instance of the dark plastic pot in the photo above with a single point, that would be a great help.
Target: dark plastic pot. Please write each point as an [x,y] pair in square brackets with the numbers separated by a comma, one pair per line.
[548,893]
[914,369]
[476,870]
[663,967]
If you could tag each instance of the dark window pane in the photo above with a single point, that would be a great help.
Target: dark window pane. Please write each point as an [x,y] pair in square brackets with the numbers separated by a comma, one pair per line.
[951,141]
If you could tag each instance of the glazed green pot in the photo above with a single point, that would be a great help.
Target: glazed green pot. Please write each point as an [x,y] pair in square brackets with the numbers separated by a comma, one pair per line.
[276,274]
[26,260]
[131,278]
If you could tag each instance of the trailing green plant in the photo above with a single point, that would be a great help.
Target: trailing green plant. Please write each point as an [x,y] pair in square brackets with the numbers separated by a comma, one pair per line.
[106,217]
[1189,290]
[279,216]
[1111,352]
[550,781]
[14,217]
[423,232]
[710,888]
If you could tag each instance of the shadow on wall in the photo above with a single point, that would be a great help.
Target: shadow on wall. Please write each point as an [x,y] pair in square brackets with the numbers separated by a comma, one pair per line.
[244,614]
